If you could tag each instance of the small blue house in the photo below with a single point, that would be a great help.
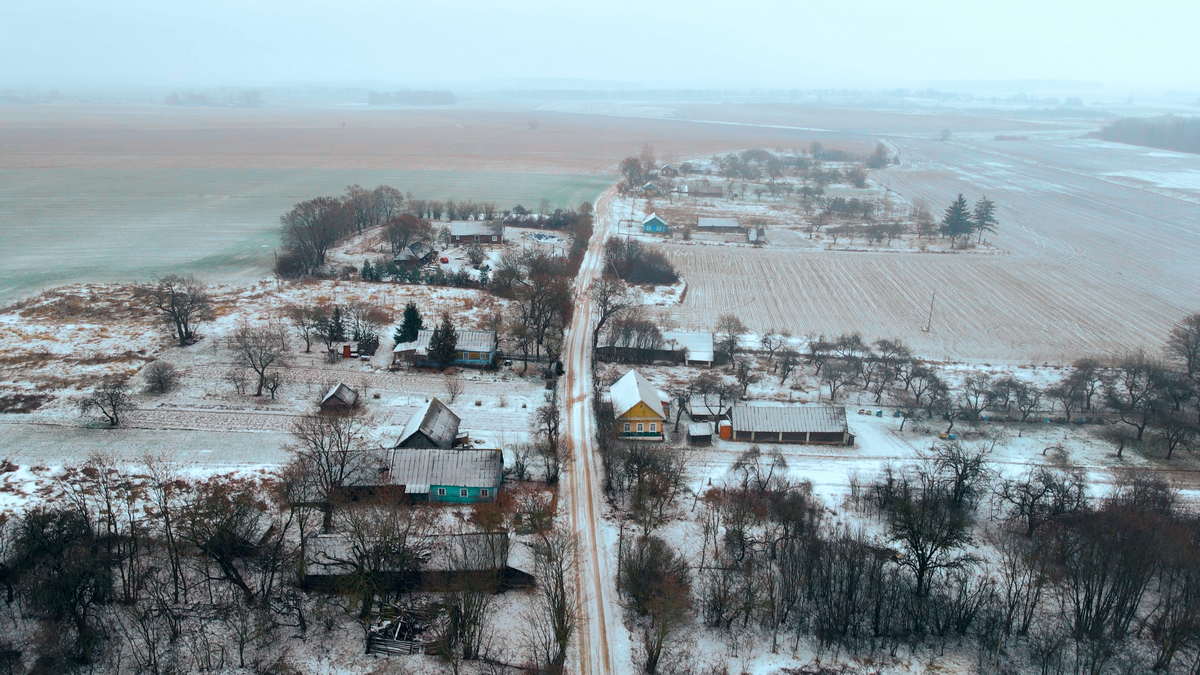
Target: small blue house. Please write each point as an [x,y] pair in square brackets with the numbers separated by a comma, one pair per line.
[653,223]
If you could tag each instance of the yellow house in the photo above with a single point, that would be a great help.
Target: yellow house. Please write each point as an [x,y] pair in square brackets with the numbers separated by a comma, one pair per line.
[638,408]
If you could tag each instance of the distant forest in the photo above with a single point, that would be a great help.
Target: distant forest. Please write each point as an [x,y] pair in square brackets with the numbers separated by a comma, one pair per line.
[1169,132]
[411,97]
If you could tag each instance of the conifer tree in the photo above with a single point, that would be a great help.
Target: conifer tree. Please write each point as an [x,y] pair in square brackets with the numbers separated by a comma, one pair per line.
[367,271]
[337,325]
[957,220]
[443,343]
[984,218]
[410,325]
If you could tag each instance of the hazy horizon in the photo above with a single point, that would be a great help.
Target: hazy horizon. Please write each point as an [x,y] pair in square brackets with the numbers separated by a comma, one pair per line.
[759,43]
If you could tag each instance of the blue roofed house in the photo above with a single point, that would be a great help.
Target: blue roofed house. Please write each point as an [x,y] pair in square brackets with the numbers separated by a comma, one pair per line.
[475,348]
[655,224]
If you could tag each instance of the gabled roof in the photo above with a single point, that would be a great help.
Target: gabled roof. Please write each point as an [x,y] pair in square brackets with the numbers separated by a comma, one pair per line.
[418,469]
[632,389]
[789,418]
[341,393]
[468,341]
[698,404]
[470,228]
[436,420]
[652,217]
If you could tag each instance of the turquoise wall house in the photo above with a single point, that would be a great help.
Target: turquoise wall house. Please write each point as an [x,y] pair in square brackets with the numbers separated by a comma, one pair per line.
[655,224]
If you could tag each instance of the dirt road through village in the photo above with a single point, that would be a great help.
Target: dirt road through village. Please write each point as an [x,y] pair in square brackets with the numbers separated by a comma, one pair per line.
[603,643]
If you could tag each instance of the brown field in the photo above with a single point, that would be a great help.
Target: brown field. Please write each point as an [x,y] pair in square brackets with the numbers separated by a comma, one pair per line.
[463,139]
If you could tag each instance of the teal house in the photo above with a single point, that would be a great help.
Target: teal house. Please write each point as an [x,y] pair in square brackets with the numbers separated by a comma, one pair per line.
[654,224]
[452,476]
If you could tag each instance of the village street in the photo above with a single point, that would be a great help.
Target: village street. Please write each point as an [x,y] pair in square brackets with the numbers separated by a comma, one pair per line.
[602,639]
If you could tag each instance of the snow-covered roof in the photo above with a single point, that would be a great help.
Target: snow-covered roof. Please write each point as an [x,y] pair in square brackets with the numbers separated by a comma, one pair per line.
[331,554]
[471,228]
[468,341]
[436,420]
[700,429]
[342,393]
[435,466]
[715,223]
[789,418]
[632,389]
[710,405]
[654,216]
[699,346]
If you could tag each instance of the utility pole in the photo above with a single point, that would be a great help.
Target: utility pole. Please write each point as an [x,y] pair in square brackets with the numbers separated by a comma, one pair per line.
[929,319]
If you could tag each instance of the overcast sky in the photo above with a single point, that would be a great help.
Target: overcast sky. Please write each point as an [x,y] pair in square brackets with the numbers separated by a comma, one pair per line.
[778,43]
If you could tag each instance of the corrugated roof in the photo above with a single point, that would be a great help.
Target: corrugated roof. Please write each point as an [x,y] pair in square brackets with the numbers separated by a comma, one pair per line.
[631,389]
[712,222]
[436,420]
[789,418]
[342,393]
[468,341]
[434,466]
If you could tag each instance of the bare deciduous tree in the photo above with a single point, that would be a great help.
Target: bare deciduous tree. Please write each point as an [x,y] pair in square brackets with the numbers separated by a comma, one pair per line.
[110,400]
[260,348]
[182,302]
[160,377]
[330,449]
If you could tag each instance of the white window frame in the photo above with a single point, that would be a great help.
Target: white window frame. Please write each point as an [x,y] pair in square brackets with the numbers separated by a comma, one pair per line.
[441,492]
[485,492]
[641,427]
[628,427]
[654,426]
[463,492]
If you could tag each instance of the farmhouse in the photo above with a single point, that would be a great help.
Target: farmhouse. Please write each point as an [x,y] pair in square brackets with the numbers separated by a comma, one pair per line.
[417,254]
[476,232]
[714,224]
[434,425]
[808,424]
[638,408]
[437,475]
[475,348]
[339,398]
[655,224]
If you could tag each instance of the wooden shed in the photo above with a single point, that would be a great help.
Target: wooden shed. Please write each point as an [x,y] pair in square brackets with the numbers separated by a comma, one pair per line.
[339,399]
[700,433]
[434,425]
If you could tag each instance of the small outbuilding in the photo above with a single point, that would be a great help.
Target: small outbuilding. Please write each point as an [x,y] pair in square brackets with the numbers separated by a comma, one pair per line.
[654,224]
[714,224]
[700,433]
[434,425]
[417,254]
[710,408]
[339,399]
[807,424]
[638,408]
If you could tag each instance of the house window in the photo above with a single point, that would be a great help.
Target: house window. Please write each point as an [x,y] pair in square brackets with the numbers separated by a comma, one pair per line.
[654,426]
[627,427]
[441,492]
[640,427]
[462,492]
[484,492]
[493,237]
[474,356]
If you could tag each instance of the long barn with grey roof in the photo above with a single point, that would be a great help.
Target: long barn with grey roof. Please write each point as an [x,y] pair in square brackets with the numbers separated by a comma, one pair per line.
[808,424]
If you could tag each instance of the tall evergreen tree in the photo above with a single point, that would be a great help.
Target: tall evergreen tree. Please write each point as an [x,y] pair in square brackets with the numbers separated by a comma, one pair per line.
[337,325]
[368,271]
[410,325]
[443,343]
[984,219]
[957,220]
